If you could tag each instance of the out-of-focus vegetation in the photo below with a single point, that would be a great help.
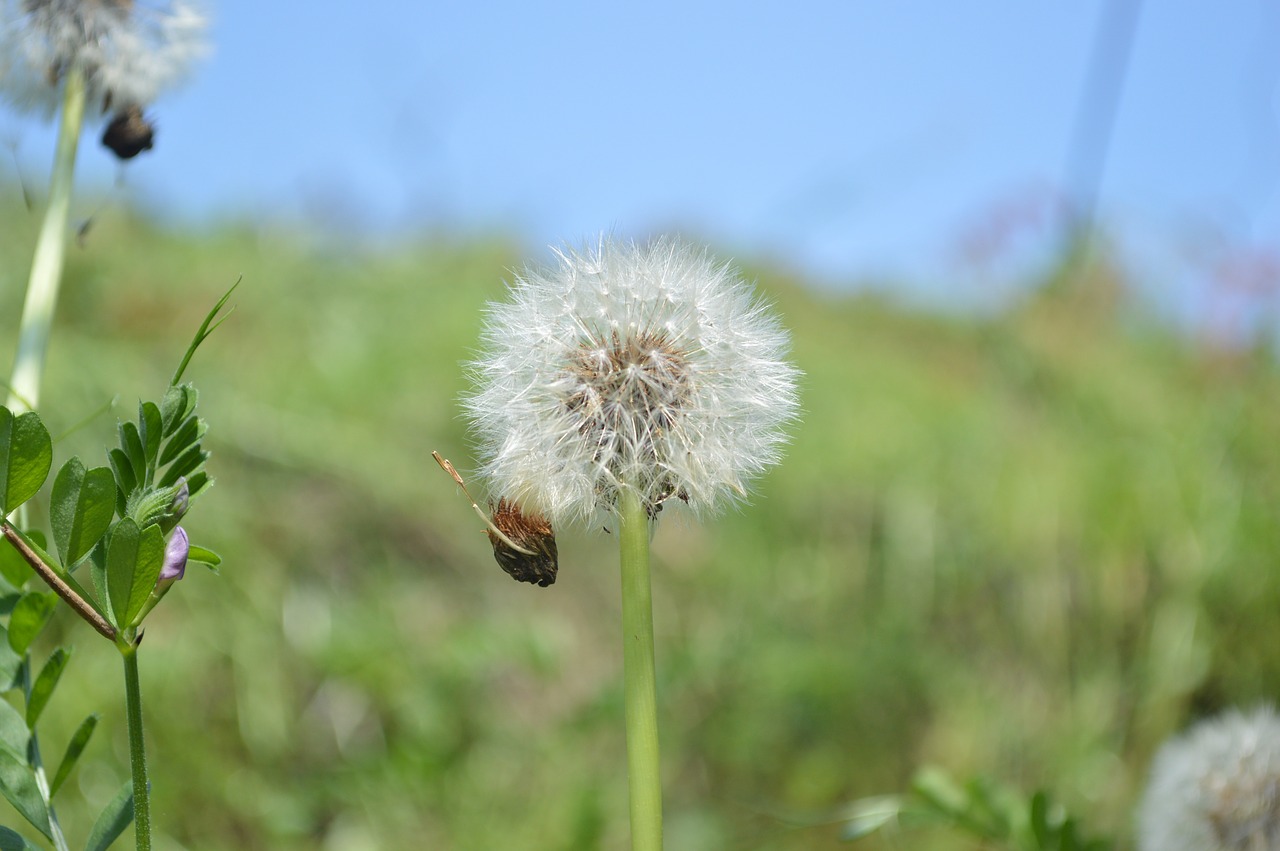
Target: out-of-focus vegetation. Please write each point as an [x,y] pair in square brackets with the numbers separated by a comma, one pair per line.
[1029,546]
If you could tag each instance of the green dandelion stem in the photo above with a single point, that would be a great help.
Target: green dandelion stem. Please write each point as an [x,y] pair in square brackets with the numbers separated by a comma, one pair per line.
[639,672]
[46,265]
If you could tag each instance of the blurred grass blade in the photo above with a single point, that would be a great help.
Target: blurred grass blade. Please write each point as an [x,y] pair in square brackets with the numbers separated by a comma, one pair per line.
[26,456]
[75,748]
[204,331]
[868,815]
[46,682]
[113,820]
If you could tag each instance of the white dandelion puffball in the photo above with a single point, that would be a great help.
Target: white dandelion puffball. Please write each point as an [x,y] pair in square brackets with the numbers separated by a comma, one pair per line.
[649,368]
[1216,787]
[128,50]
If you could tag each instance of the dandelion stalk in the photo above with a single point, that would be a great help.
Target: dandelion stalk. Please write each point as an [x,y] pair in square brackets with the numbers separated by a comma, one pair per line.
[46,266]
[641,691]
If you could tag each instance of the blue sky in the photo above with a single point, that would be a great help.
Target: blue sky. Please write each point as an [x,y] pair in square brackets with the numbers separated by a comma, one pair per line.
[842,139]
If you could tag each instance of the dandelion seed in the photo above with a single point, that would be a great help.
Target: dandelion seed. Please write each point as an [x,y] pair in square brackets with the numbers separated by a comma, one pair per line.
[129,51]
[1216,788]
[651,369]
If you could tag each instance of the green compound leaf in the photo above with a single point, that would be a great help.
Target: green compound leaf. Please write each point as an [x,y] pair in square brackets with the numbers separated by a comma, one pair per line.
[187,464]
[187,435]
[150,429]
[177,406]
[11,841]
[29,617]
[134,559]
[18,785]
[46,682]
[74,749]
[198,484]
[208,558]
[26,455]
[14,735]
[114,819]
[10,662]
[13,567]
[126,481]
[131,443]
[80,509]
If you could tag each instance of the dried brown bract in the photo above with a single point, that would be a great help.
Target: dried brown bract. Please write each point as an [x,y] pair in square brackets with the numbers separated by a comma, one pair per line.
[524,544]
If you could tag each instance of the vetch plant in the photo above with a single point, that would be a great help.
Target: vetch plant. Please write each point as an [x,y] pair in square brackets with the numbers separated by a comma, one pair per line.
[76,58]
[621,378]
[1216,787]
[117,523]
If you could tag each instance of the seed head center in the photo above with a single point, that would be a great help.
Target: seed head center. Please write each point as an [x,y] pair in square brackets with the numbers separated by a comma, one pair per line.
[628,391]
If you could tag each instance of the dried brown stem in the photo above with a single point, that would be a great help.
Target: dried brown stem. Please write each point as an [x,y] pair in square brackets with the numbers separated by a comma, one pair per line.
[61,588]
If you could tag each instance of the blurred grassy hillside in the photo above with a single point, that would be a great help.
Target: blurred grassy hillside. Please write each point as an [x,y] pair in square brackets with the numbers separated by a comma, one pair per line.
[1029,546]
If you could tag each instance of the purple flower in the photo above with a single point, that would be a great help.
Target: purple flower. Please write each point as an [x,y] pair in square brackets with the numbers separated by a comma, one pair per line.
[175,556]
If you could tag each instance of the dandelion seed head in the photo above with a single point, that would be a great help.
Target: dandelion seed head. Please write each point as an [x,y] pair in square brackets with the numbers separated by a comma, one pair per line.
[1216,787]
[128,50]
[651,368]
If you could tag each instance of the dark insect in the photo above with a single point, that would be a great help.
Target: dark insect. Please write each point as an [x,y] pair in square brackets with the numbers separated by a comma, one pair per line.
[129,133]
[524,544]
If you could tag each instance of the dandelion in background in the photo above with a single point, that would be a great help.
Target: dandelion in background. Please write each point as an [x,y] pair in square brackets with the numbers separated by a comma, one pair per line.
[66,56]
[617,380]
[1216,787]
[127,52]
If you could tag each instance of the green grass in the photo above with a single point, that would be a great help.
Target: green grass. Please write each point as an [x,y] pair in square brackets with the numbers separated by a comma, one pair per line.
[1030,545]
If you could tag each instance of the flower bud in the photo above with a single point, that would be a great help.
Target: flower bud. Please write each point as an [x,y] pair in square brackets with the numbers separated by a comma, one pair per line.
[175,558]
[181,500]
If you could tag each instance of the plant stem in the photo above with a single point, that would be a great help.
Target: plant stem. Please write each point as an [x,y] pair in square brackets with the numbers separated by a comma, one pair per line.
[641,680]
[46,265]
[54,581]
[137,749]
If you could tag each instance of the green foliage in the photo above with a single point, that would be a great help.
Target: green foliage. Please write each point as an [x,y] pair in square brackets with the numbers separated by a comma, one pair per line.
[75,748]
[45,683]
[134,559]
[1026,545]
[81,509]
[113,820]
[29,617]
[998,817]
[26,453]
[12,841]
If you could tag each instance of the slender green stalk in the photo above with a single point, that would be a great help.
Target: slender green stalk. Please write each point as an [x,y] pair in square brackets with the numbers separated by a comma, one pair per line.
[46,265]
[137,749]
[641,681]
